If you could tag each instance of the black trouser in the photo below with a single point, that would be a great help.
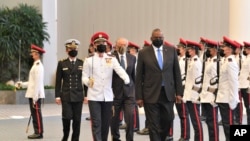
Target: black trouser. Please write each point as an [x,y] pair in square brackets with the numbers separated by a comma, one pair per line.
[194,112]
[36,113]
[211,114]
[100,113]
[136,117]
[127,105]
[238,112]
[246,98]
[71,110]
[159,115]
[227,118]
[182,111]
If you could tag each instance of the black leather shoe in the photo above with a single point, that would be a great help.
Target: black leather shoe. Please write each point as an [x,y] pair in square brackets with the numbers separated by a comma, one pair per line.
[144,131]
[87,118]
[136,129]
[169,138]
[35,136]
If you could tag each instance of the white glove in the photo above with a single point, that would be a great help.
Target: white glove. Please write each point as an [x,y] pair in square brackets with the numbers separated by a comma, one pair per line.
[18,84]
[213,104]
[127,81]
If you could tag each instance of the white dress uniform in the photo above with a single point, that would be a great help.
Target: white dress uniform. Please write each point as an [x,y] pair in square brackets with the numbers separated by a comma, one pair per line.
[101,70]
[228,82]
[209,73]
[182,64]
[245,73]
[193,71]
[35,84]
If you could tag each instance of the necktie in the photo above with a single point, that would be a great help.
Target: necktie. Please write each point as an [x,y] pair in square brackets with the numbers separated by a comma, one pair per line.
[159,58]
[122,62]
[72,63]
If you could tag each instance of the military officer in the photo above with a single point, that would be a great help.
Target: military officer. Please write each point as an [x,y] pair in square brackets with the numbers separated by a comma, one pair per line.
[244,79]
[182,107]
[207,96]
[97,75]
[227,96]
[35,91]
[191,95]
[69,90]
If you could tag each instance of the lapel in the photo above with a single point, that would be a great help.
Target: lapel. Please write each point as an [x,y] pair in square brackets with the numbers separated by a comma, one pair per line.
[164,53]
[153,56]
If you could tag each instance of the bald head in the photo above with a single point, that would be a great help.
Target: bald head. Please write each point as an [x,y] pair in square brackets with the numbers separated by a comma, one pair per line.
[121,45]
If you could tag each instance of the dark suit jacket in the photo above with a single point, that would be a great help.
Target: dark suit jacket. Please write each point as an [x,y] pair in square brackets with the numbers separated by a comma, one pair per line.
[69,85]
[149,76]
[118,86]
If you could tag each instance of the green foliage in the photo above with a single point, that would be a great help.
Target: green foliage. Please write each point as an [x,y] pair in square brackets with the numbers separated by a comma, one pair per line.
[19,28]
[6,87]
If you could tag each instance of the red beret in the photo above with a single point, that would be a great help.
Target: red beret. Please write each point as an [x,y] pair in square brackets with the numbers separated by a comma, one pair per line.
[182,42]
[131,44]
[211,43]
[146,43]
[202,40]
[37,49]
[229,42]
[246,44]
[166,43]
[100,36]
[239,44]
[193,44]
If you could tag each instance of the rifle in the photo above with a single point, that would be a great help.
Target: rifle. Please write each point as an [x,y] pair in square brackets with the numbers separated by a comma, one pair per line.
[215,80]
[201,78]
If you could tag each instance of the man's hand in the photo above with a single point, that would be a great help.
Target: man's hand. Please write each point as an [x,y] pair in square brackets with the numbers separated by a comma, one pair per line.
[58,101]
[140,103]
[178,99]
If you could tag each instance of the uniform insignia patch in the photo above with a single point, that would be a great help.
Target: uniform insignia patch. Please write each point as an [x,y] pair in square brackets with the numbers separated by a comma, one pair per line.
[37,63]
[215,60]
[65,68]
[195,59]
[108,60]
[230,60]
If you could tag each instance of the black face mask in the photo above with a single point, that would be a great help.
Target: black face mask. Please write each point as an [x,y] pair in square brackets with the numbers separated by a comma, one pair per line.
[101,48]
[221,51]
[244,53]
[208,53]
[157,42]
[178,52]
[73,53]
[187,54]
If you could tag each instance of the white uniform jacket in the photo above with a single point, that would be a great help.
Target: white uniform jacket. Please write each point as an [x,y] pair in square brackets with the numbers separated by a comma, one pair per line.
[35,84]
[182,64]
[245,73]
[228,82]
[209,73]
[193,72]
[101,70]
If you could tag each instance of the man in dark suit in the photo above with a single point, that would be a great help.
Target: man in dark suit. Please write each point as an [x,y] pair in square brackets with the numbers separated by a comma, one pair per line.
[158,85]
[124,95]
[69,90]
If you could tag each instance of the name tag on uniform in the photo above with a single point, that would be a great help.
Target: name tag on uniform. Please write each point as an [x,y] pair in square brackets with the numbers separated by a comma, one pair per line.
[65,68]
[79,67]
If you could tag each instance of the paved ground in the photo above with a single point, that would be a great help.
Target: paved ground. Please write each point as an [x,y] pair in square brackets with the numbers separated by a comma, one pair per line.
[14,119]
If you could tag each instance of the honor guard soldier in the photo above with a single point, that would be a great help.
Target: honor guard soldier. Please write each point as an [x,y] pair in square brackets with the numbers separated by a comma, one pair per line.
[208,92]
[35,91]
[182,107]
[97,75]
[191,95]
[238,113]
[69,90]
[244,80]
[227,96]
